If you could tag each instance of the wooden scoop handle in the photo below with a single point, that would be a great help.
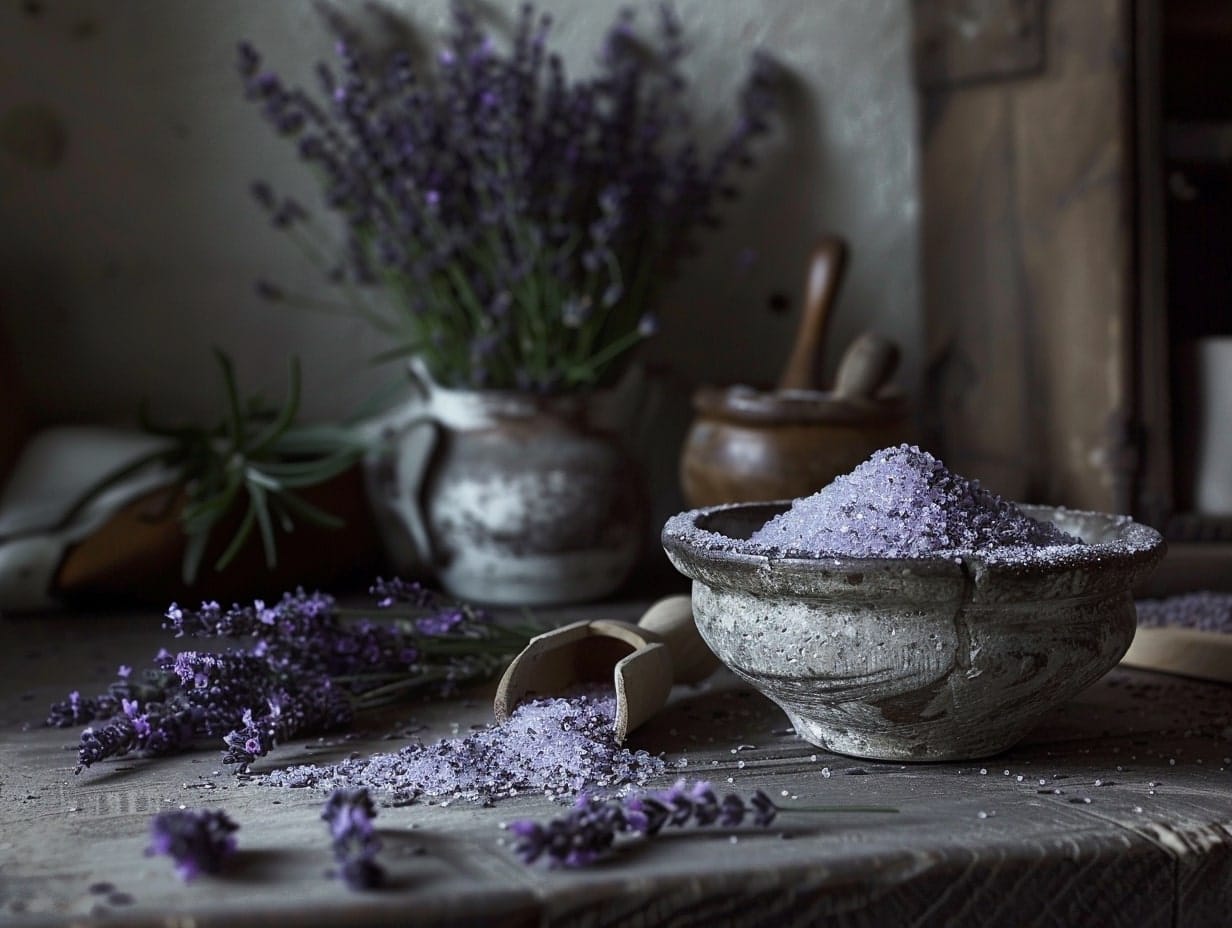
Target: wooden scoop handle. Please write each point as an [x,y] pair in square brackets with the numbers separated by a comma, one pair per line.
[824,276]
[672,620]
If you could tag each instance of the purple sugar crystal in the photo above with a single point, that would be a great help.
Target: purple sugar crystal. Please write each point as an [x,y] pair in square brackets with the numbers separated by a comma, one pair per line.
[555,747]
[903,502]
[1203,611]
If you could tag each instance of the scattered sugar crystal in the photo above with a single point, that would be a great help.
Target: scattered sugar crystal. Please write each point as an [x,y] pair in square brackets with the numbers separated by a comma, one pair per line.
[1203,611]
[556,747]
[903,502]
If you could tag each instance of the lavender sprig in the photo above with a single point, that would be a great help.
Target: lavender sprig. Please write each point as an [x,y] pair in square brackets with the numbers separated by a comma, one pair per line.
[197,840]
[518,220]
[350,814]
[589,830]
[303,666]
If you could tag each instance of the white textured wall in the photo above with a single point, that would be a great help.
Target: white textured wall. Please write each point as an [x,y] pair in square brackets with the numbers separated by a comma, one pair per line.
[124,260]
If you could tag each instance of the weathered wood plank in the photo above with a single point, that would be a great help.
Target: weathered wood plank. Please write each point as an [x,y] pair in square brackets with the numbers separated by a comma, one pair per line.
[1027,243]
[974,302]
[973,843]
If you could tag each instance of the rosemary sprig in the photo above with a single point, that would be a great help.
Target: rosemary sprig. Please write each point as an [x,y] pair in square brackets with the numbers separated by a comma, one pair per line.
[254,457]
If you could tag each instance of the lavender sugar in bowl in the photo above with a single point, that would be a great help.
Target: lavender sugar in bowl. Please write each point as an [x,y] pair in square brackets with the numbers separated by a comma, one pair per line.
[905,613]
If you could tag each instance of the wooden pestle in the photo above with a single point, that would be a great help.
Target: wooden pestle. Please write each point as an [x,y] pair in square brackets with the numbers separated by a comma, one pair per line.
[821,286]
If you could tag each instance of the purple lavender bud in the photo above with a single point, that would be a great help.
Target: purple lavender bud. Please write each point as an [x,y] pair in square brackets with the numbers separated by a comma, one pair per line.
[362,873]
[247,59]
[289,213]
[731,811]
[350,815]
[197,841]
[263,193]
[764,809]
[73,711]
[588,831]
[705,804]
[115,738]
[441,624]
[646,815]
[532,840]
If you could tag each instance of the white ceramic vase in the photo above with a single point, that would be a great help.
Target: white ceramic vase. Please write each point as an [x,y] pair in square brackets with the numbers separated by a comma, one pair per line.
[512,498]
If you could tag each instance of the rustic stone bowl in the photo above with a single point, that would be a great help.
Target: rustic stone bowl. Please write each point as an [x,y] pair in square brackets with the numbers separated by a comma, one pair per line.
[919,659]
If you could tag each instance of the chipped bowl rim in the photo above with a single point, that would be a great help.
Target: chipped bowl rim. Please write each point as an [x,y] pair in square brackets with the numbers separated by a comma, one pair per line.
[1125,552]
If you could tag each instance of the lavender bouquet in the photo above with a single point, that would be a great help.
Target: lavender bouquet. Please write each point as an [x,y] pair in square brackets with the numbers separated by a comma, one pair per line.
[516,221]
[307,668]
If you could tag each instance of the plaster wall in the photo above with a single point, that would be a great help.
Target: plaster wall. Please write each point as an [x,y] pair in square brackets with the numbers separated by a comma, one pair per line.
[129,243]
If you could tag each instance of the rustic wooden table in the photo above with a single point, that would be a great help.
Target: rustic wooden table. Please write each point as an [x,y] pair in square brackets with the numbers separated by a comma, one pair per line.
[1116,811]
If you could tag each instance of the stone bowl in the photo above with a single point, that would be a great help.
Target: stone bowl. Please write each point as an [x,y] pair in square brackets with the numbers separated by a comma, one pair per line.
[918,659]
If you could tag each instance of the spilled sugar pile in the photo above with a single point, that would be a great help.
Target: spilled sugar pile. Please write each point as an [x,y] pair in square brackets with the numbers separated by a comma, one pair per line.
[552,747]
[903,502]
[1203,611]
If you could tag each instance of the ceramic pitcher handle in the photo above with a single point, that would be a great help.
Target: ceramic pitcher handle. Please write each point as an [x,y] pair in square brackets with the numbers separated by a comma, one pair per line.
[395,477]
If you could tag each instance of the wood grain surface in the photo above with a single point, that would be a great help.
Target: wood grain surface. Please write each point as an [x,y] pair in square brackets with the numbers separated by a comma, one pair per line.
[1027,246]
[983,843]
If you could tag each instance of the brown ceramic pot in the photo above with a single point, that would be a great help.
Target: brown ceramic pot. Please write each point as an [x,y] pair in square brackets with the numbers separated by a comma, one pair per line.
[747,445]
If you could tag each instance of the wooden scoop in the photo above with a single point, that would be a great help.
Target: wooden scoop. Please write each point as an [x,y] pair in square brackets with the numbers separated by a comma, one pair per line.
[642,660]
[1183,651]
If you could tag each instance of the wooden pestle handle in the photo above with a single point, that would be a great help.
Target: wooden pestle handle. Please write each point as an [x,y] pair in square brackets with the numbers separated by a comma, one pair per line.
[672,620]
[824,276]
[867,364]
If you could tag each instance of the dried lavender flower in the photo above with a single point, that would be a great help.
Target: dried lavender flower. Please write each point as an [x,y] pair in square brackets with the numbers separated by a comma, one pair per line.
[306,666]
[589,830]
[519,219]
[350,814]
[197,840]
